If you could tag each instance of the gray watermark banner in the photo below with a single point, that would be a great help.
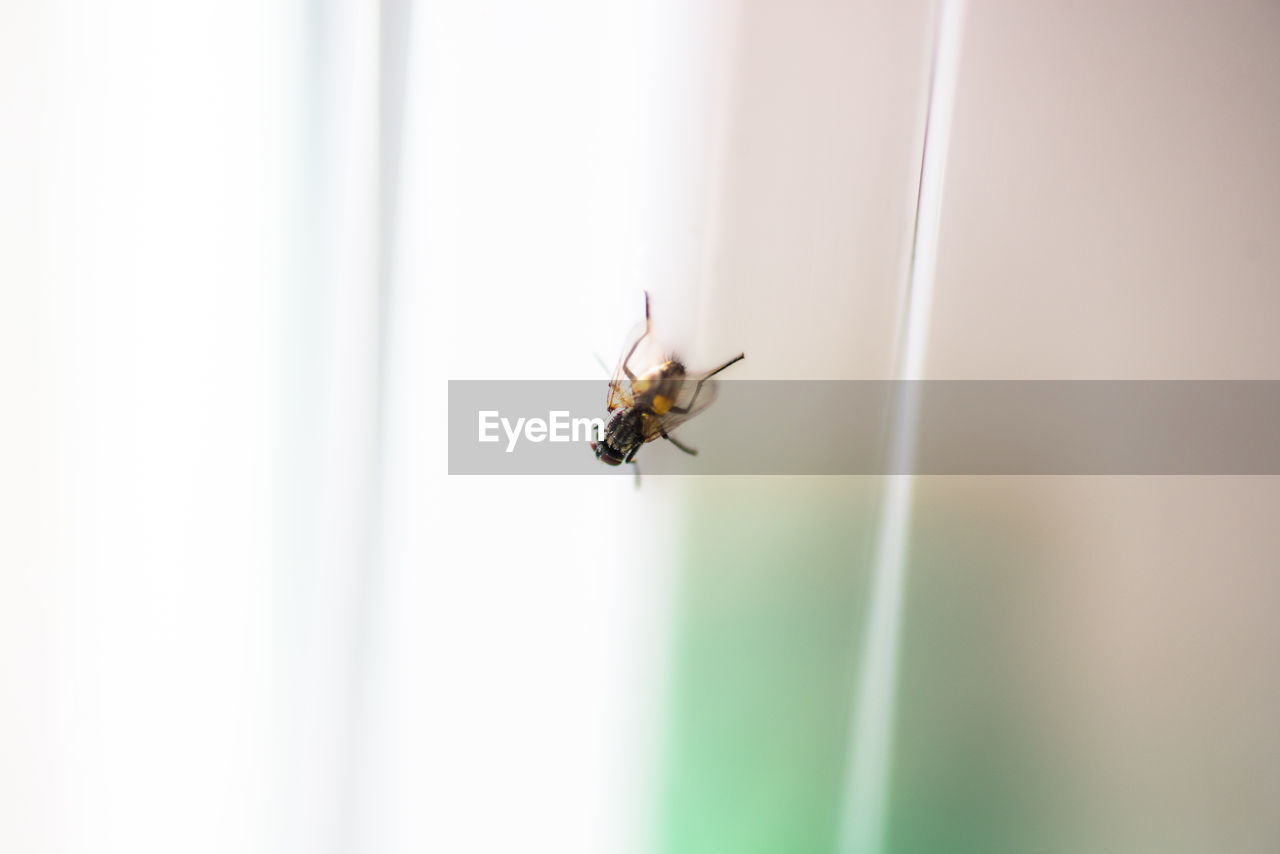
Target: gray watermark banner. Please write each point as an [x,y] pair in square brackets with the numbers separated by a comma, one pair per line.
[789,427]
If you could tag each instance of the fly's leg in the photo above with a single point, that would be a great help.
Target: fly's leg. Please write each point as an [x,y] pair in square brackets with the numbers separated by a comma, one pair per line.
[631,458]
[690,451]
[681,410]
[626,368]
[735,359]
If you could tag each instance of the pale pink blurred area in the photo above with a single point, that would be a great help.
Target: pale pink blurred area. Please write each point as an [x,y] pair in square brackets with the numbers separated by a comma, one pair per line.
[815,202]
[1113,194]
[1112,204]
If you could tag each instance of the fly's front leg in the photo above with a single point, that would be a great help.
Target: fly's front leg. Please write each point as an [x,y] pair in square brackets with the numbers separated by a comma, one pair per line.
[681,410]
[626,368]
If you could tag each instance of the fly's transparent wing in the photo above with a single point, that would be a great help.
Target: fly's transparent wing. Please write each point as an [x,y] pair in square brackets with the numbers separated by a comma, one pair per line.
[694,397]
[640,353]
[619,386]
[637,356]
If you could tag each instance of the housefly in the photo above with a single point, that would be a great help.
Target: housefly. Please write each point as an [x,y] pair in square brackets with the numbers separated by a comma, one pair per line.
[650,404]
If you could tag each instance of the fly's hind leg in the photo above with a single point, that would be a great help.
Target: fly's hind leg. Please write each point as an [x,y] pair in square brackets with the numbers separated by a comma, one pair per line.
[631,458]
[681,445]
[681,410]
[648,326]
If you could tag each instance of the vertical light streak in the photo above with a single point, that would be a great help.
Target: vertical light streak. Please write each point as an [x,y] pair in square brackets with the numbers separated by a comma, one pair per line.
[867,777]
[335,422]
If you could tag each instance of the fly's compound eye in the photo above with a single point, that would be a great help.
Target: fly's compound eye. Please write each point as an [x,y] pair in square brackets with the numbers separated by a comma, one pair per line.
[603,454]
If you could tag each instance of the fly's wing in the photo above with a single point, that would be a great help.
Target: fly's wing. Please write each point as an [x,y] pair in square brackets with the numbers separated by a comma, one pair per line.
[620,394]
[691,398]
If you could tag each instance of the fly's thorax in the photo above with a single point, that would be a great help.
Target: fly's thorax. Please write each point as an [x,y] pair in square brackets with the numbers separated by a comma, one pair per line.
[656,389]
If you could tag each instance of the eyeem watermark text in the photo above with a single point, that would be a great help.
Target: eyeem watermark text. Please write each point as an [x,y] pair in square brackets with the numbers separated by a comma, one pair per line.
[558,427]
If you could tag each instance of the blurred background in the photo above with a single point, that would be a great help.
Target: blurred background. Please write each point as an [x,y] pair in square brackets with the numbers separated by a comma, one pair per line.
[244,245]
